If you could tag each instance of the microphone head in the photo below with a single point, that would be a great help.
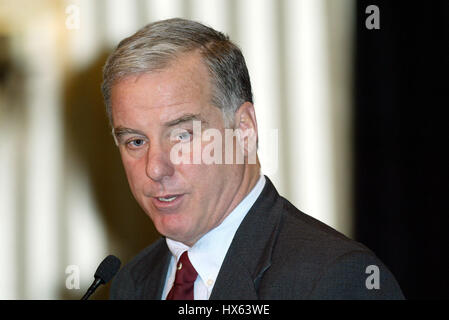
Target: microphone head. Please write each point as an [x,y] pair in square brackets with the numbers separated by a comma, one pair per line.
[108,268]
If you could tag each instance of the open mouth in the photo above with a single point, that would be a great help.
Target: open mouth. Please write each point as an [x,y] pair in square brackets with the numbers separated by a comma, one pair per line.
[167,199]
[168,202]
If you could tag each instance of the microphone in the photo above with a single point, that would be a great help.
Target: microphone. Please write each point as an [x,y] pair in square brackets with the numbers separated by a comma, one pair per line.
[105,272]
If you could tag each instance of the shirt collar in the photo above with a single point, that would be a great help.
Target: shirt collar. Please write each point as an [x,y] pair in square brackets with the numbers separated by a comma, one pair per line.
[208,253]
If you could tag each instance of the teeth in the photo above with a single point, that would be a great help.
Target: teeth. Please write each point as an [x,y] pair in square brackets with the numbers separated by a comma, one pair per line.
[167,199]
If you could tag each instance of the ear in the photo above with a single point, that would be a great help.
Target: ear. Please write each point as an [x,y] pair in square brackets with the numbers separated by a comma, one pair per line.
[115,138]
[246,124]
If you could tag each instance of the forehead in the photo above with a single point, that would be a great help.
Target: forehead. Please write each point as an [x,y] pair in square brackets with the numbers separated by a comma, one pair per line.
[183,85]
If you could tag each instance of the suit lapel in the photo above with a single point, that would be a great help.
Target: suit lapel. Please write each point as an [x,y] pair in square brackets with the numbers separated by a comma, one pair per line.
[149,276]
[249,255]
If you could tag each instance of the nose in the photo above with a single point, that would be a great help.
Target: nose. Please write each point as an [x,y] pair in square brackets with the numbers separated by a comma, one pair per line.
[158,164]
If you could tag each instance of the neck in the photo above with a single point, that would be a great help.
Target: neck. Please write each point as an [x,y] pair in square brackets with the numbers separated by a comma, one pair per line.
[250,178]
[251,175]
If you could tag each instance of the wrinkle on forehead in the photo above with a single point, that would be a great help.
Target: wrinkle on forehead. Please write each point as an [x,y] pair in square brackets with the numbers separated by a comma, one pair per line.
[185,79]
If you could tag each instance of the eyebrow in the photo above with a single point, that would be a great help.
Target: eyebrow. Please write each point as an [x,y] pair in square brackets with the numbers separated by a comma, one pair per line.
[185,118]
[120,131]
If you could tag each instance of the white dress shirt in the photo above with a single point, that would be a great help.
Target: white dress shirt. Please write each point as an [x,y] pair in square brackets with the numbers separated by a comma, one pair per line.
[208,253]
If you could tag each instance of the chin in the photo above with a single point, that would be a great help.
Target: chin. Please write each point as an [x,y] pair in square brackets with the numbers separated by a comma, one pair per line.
[174,231]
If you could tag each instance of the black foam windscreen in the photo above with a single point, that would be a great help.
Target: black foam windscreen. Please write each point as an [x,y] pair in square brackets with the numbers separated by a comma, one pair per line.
[108,268]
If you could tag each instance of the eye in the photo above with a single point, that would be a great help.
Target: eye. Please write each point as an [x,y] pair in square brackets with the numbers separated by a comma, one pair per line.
[184,136]
[135,143]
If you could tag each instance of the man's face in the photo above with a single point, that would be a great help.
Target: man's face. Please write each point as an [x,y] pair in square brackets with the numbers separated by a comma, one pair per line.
[145,111]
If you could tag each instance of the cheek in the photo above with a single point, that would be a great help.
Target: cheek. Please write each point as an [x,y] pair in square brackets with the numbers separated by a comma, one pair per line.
[135,172]
[206,179]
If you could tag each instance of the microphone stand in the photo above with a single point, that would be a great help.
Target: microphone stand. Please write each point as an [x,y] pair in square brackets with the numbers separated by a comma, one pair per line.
[92,288]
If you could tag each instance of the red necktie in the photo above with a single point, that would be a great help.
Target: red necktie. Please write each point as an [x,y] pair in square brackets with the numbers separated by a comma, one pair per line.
[185,277]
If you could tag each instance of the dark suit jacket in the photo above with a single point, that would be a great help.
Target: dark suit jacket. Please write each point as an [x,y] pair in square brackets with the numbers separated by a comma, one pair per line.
[278,252]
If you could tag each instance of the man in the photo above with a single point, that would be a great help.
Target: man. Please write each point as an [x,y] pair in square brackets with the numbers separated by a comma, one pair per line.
[227,233]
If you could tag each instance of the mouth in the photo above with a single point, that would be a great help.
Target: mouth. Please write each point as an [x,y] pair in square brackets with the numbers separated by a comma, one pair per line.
[167,202]
[167,198]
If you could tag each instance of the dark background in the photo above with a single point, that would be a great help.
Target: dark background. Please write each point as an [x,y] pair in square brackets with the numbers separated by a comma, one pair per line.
[401,140]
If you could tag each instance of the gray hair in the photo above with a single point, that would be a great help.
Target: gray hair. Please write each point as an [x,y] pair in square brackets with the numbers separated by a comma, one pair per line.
[154,46]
